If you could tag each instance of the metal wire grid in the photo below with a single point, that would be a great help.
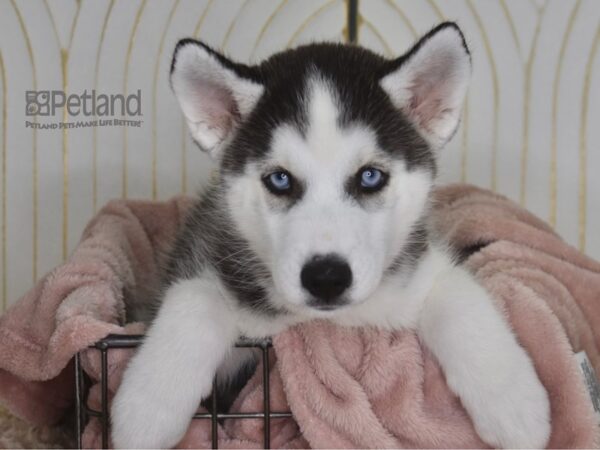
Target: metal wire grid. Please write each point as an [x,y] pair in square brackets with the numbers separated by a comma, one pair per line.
[84,412]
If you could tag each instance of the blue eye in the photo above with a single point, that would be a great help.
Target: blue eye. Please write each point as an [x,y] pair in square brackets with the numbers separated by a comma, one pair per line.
[372,179]
[278,182]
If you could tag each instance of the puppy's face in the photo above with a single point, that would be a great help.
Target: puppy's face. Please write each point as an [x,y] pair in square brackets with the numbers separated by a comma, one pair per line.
[327,156]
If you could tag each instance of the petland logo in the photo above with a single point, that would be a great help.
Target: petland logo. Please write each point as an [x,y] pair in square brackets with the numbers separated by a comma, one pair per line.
[100,108]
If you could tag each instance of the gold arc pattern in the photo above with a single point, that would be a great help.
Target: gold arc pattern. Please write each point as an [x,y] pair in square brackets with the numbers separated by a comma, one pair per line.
[64,58]
[512,27]
[53,22]
[495,87]
[585,103]
[136,23]
[4,150]
[436,9]
[265,26]
[154,100]
[388,50]
[233,24]
[35,149]
[201,20]
[526,105]
[95,130]
[65,72]
[535,5]
[556,85]
[307,21]
[403,17]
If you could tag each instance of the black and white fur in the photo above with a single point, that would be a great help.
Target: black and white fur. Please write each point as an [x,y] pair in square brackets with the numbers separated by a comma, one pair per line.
[323,112]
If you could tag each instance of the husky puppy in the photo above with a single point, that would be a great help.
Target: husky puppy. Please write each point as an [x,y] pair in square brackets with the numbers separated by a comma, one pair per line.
[327,158]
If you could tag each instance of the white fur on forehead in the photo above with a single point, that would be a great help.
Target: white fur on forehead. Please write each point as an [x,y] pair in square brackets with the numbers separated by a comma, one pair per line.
[431,85]
[323,113]
[325,144]
[213,97]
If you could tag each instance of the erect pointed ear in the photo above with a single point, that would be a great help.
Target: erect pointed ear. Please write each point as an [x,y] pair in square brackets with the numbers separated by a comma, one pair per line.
[215,93]
[429,82]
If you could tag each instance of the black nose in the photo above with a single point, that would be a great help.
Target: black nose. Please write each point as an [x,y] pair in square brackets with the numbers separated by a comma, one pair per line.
[326,276]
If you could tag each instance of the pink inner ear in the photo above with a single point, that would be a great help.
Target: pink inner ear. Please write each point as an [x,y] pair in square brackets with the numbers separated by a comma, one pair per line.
[431,85]
[218,106]
[432,90]
[428,103]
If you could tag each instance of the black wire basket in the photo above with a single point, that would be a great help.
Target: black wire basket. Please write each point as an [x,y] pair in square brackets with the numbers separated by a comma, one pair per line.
[116,341]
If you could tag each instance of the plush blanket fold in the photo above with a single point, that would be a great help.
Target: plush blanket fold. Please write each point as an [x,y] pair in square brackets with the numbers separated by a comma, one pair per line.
[346,387]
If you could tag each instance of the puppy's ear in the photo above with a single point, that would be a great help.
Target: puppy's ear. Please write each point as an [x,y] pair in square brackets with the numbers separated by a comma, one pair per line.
[215,93]
[429,82]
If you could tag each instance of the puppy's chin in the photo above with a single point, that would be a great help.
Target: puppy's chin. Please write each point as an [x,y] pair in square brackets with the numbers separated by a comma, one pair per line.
[308,308]
[322,311]
[327,307]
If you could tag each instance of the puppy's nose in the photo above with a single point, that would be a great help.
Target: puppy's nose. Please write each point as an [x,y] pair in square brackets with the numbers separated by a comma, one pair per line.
[326,276]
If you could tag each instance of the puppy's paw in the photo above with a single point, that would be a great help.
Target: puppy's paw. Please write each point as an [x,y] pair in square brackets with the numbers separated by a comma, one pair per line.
[140,419]
[516,416]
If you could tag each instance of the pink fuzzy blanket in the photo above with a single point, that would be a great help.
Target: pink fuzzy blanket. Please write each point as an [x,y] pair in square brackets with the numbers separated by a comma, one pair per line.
[345,387]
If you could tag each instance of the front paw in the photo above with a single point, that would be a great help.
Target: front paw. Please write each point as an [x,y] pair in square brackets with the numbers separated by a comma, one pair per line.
[516,416]
[140,419]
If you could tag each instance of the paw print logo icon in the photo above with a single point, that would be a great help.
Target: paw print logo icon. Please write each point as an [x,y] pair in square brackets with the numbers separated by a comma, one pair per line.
[37,103]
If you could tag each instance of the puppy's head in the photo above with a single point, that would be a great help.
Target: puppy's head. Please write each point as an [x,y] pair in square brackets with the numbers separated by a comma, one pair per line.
[327,155]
